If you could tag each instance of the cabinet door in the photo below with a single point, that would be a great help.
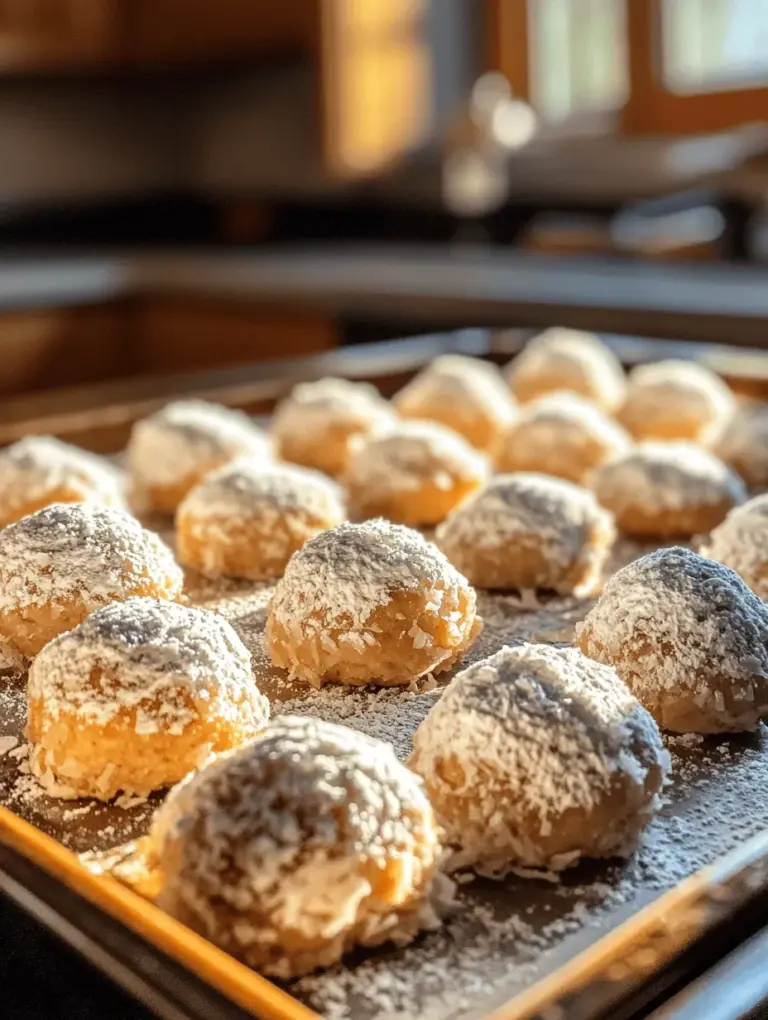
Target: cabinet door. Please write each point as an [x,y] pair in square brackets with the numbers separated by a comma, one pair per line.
[175,335]
[39,35]
[182,31]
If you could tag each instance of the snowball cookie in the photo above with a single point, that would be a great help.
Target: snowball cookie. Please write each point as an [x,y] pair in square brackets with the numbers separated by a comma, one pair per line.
[529,531]
[674,400]
[173,450]
[537,757]
[467,394]
[742,442]
[415,474]
[136,696]
[61,563]
[662,490]
[560,434]
[566,359]
[741,543]
[247,520]
[41,470]
[318,422]
[370,603]
[292,850]
[688,637]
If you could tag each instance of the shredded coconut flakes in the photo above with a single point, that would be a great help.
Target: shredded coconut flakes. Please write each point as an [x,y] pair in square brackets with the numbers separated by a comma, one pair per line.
[76,550]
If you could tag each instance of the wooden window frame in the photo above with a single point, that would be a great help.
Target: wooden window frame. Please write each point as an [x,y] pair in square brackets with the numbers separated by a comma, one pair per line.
[650,108]
[653,109]
[508,44]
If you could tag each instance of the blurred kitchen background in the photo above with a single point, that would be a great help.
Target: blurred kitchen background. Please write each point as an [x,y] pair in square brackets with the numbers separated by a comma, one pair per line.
[188,184]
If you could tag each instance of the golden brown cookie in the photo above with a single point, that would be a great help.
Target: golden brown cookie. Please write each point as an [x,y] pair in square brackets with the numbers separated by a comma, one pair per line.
[415,474]
[247,520]
[61,563]
[667,490]
[465,394]
[529,532]
[537,757]
[316,425]
[566,359]
[137,696]
[370,603]
[307,842]
[688,637]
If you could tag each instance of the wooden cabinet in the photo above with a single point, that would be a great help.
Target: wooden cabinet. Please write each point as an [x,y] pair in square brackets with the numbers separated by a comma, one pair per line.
[184,31]
[58,34]
[43,35]
[46,348]
[188,334]
[371,58]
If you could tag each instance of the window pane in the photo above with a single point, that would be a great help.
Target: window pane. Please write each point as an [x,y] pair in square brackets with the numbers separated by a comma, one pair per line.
[711,45]
[578,56]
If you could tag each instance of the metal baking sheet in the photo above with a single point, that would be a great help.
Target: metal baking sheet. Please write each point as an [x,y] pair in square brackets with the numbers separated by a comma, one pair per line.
[504,936]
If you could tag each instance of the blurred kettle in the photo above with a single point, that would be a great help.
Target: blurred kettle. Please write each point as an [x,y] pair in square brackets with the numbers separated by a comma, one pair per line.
[479,144]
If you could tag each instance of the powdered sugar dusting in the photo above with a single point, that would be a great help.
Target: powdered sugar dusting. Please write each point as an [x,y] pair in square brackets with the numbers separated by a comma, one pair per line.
[162,660]
[742,442]
[468,389]
[331,403]
[562,430]
[567,359]
[75,550]
[667,396]
[555,517]
[538,732]
[741,543]
[37,466]
[247,488]
[675,621]
[316,805]
[503,936]
[666,476]
[410,456]
[347,572]
[171,445]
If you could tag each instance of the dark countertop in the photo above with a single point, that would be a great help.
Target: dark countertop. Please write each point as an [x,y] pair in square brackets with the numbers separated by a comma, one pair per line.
[453,287]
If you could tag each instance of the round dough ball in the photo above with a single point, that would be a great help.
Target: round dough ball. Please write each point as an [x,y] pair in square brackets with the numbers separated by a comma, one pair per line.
[317,424]
[173,450]
[566,359]
[688,637]
[537,757]
[675,400]
[667,490]
[741,543]
[466,394]
[61,563]
[560,434]
[247,520]
[529,531]
[416,474]
[306,842]
[41,470]
[137,696]
[370,603]
[742,442]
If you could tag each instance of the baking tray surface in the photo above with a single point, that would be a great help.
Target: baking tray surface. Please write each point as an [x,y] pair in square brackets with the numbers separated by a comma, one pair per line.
[504,936]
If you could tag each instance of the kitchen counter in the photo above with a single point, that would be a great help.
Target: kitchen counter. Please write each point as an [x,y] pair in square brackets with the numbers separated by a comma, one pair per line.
[451,287]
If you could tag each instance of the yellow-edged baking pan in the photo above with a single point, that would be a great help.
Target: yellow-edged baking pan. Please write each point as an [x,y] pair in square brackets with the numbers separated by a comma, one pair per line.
[603,940]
